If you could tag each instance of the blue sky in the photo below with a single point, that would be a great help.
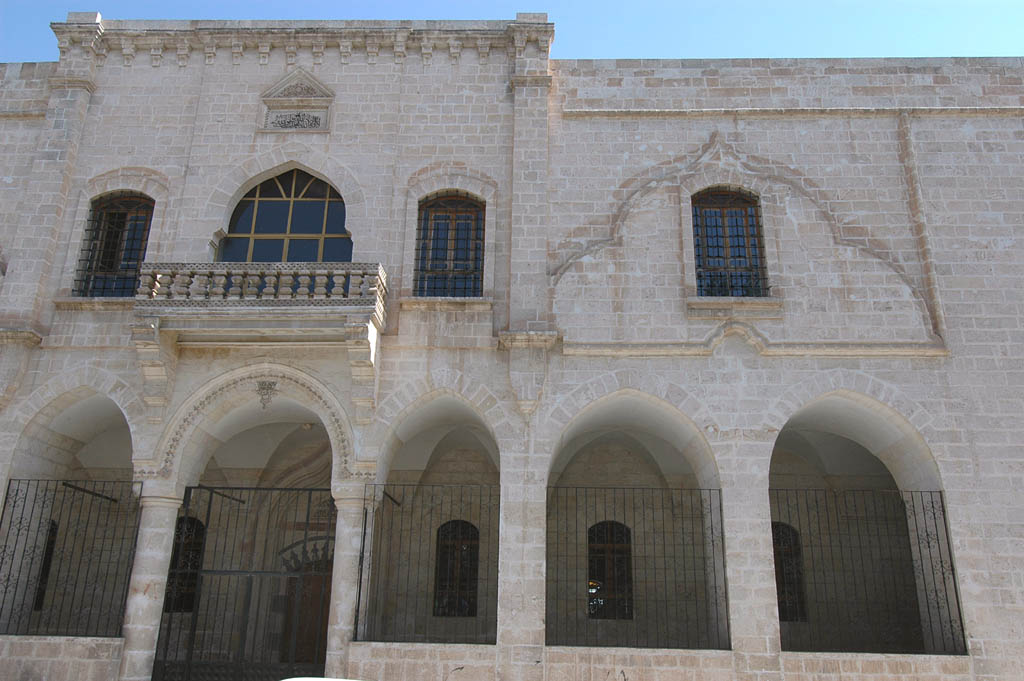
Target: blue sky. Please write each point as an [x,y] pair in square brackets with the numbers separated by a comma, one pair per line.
[594,29]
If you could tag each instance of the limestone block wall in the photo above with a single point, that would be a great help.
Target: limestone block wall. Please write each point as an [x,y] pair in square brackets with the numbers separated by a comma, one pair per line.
[891,199]
[60,659]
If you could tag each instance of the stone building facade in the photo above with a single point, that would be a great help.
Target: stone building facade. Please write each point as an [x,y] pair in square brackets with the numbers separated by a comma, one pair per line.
[398,350]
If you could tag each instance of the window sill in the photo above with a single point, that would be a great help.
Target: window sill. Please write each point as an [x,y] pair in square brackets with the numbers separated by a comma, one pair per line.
[98,303]
[445,303]
[722,307]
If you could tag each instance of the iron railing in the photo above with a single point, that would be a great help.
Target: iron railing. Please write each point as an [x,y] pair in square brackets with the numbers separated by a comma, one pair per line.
[429,564]
[636,567]
[865,571]
[249,586]
[66,552]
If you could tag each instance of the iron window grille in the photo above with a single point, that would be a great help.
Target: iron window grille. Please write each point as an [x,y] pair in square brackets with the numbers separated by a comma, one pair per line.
[609,572]
[293,217]
[789,573]
[115,246]
[450,247]
[458,562]
[877,572]
[728,244]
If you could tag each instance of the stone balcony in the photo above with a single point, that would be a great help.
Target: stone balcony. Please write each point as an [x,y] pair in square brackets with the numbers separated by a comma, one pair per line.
[322,307]
[262,302]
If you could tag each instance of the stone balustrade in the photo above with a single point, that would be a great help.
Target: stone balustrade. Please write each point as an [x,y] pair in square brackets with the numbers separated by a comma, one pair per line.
[224,284]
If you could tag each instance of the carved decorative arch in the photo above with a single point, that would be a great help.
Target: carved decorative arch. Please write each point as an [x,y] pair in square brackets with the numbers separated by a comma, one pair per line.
[717,163]
[180,449]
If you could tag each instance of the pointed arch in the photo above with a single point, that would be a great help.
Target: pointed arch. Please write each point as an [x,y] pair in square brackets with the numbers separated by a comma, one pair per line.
[662,414]
[222,197]
[872,413]
[400,419]
[450,177]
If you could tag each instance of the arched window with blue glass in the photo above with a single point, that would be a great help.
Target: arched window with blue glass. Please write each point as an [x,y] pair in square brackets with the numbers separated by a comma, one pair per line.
[293,217]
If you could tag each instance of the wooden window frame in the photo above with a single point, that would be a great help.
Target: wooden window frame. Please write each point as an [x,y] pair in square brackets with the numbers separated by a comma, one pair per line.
[450,263]
[728,244]
[457,566]
[293,187]
[609,571]
[115,246]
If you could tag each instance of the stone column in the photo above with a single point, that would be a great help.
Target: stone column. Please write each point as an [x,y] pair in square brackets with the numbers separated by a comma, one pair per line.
[41,210]
[749,558]
[522,572]
[345,579]
[531,83]
[146,588]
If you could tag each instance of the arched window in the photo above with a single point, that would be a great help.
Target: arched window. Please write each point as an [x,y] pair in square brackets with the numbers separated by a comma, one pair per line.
[458,561]
[728,245]
[450,247]
[293,217]
[115,246]
[789,573]
[186,559]
[609,572]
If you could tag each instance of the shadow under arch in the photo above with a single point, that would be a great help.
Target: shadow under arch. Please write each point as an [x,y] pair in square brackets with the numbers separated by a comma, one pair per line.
[234,402]
[863,559]
[878,429]
[674,442]
[420,427]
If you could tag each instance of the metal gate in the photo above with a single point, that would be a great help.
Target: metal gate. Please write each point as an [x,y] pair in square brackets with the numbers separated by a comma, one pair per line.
[66,550]
[249,586]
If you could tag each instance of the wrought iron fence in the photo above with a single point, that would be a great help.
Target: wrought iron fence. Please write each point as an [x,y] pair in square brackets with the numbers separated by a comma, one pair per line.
[865,571]
[249,586]
[429,564]
[66,552]
[643,568]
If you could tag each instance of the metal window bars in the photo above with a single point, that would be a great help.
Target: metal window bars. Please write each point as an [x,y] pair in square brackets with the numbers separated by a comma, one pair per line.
[672,591]
[728,244]
[407,590]
[114,246]
[66,552]
[877,572]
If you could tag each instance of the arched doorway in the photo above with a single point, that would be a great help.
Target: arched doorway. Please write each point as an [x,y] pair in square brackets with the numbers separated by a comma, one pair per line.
[863,560]
[249,584]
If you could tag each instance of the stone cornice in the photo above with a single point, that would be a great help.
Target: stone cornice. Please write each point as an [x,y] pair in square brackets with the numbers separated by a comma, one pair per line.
[785,349]
[528,339]
[25,337]
[70,83]
[104,304]
[845,112]
[181,43]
